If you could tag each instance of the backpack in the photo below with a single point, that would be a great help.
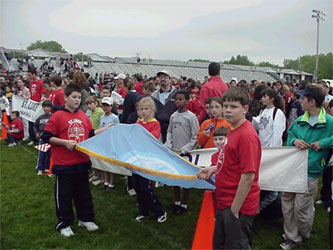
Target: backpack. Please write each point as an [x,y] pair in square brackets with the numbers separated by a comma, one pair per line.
[285,132]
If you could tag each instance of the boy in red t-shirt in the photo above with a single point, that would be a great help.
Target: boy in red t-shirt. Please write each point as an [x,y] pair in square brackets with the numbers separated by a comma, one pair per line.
[15,129]
[67,127]
[237,189]
[57,96]
[220,140]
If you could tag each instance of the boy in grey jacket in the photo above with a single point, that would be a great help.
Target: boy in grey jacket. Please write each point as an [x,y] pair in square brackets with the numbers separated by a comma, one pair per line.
[182,136]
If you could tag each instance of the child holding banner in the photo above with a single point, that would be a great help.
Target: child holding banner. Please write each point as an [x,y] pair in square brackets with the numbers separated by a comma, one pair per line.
[145,194]
[182,136]
[313,131]
[64,130]
[108,118]
[237,189]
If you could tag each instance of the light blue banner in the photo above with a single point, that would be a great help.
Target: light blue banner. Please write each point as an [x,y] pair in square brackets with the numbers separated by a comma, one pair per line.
[133,147]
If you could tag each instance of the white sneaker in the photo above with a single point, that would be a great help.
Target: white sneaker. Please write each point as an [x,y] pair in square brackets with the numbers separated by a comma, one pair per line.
[40,172]
[66,232]
[162,218]
[25,138]
[90,226]
[131,192]
[30,143]
[319,202]
[93,178]
[95,183]
[12,144]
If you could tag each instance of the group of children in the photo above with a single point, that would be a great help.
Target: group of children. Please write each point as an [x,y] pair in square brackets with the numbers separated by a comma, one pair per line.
[236,163]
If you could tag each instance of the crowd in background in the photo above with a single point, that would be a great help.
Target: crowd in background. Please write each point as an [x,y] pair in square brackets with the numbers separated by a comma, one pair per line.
[119,94]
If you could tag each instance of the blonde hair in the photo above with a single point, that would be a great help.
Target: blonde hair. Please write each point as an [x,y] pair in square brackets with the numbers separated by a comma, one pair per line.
[93,98]
[148,101]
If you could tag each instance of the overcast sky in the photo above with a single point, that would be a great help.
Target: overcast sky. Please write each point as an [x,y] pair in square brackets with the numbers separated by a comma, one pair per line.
[264,30]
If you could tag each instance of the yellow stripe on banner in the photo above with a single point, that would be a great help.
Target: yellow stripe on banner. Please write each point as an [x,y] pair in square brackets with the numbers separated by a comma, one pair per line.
[136,168]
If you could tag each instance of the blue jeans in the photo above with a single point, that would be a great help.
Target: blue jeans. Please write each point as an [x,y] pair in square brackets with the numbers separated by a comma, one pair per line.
[43,158]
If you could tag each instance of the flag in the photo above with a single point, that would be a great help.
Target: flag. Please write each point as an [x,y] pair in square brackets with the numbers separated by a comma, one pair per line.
[43,147]
[134,148]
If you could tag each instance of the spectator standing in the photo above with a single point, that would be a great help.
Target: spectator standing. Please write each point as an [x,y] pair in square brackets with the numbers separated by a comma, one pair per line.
[166,97]
[215,87]
[37,91]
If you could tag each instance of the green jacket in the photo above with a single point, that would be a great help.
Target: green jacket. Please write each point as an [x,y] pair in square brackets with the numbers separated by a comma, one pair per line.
[322,131]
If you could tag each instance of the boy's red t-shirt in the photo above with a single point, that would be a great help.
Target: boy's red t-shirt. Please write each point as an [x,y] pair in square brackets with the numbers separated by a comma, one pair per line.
[214,158]
[17,124]
[36,90]
[153,126]
[57,97]
[242,155]
[70,126]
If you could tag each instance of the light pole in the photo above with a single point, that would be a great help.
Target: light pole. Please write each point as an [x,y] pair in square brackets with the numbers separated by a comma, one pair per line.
[318,15]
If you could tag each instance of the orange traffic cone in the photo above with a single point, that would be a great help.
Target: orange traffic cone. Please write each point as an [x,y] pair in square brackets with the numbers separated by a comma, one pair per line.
[203,237]
[3,129]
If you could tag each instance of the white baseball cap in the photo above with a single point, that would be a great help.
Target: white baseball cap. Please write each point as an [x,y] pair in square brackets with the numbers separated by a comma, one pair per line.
[120,76]
[108,100]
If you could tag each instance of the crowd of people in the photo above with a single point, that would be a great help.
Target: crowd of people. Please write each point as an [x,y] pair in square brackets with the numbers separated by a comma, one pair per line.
[238,118]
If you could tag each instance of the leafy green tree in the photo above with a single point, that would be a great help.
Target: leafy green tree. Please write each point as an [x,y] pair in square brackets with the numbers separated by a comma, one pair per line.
[81,57]
[307,63]
[240,60]
[268,64]
[51,46]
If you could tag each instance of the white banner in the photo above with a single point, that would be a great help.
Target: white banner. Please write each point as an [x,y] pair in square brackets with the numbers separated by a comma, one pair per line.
[4,104]
[29,110]
[281,168]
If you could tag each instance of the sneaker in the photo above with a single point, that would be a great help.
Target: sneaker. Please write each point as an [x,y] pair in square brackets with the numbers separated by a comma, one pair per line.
[25,139]
[319,202]
[288,244]
[93,178]
[96,183]
[50,175]
[131,192]
[162,218]
[40,172]
[284,237]
[140,218]
[89,225]
[66,232]
[12,144]
[46,170]
[158,184]
[30,143]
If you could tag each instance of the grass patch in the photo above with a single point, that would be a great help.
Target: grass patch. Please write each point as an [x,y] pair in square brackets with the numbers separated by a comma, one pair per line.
[28,215]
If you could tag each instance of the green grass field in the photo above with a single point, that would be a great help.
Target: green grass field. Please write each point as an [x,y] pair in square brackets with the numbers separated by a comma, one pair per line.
[28,215]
